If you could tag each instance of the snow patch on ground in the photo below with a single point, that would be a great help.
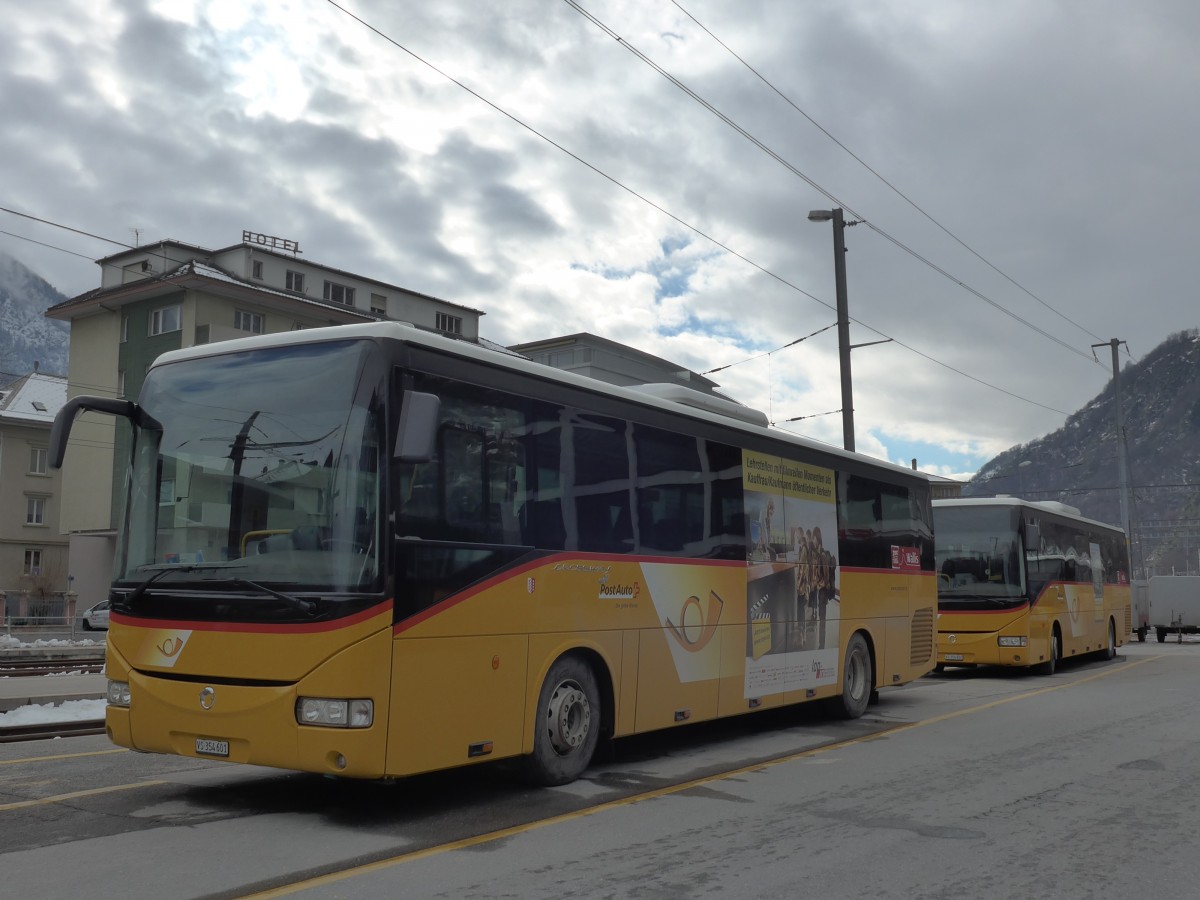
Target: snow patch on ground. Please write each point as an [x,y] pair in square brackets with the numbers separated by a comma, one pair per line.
[39,713]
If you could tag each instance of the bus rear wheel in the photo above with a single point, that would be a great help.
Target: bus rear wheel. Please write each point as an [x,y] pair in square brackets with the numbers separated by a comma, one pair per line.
[567,726]
[1110,651]
[858,679]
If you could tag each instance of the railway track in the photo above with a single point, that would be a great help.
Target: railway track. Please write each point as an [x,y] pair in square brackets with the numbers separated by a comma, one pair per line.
[31,667]
[45,730]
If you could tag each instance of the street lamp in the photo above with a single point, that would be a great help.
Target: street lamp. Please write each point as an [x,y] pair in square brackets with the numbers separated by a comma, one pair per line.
[1021,467]
[843,315]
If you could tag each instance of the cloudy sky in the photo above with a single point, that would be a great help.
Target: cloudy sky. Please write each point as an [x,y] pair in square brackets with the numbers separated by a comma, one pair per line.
[643,170]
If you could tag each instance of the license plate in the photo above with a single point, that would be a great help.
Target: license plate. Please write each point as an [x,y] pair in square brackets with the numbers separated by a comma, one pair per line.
[211,747]
[956,657]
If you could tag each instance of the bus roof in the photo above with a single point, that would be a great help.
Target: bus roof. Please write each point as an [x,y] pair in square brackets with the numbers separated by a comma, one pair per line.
[1047,506]
[705,407]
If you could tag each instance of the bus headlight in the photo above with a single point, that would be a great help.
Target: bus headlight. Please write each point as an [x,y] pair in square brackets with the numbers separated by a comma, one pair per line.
[118,693]
[335,713]
[1013,641]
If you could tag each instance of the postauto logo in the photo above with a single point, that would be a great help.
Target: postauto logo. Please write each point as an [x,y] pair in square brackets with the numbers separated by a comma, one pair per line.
[697,622]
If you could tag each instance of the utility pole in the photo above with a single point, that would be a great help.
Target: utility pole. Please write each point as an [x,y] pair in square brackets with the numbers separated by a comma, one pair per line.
[837,217]
[843,315]
[1121,466]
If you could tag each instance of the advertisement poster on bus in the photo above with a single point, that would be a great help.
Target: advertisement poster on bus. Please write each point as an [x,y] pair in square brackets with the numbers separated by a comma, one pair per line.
[792,576]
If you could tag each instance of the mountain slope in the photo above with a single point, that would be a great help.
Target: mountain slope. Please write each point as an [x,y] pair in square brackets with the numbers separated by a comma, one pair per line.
[1078,463]
[26,335]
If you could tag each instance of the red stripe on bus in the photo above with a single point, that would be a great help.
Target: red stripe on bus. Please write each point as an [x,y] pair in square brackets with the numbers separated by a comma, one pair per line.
[541,563]
[256,627]
[983,612]
[869,570]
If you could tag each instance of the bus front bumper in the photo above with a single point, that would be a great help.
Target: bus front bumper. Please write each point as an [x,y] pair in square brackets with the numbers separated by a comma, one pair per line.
[959,648]
[238,723]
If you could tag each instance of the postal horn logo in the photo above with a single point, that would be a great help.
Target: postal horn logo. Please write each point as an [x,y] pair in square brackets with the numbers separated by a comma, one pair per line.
[697,623]
[169,645]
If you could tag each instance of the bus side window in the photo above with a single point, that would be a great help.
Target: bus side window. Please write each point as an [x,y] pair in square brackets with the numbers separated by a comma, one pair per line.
[542,525]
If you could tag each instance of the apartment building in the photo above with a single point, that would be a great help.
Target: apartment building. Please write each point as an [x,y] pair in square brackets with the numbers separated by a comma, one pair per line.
[34,574]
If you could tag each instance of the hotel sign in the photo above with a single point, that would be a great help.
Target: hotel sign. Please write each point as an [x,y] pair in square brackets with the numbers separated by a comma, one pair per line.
[270,242]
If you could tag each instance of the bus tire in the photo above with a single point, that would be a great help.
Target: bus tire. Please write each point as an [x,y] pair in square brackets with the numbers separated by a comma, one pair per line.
[1161,634]
[1141,633]
[1110,649]
[1050,666]
[858,679]
[567,726]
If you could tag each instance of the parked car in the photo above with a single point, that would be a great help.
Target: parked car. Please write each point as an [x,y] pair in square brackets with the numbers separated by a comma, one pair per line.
[96,617]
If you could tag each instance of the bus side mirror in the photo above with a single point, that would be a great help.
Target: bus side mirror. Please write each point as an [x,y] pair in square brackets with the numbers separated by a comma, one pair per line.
[60,431]
[417,434]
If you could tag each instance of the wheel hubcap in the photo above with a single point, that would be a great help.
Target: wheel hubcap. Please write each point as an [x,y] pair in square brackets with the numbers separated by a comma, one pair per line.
[570,717]
[855,676]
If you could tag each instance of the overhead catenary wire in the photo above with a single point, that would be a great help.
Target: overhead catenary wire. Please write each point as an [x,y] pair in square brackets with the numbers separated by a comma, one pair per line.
[631,191]
[769,352]
[874,172]
[676,218]
[829,195]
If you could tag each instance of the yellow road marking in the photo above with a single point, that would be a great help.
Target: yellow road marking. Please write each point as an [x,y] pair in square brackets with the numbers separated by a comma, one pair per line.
[380,865]
[75,795]
[32,759]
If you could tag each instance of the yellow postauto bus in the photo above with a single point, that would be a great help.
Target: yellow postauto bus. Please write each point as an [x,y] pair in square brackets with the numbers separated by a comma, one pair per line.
[373,551]
[1026,583]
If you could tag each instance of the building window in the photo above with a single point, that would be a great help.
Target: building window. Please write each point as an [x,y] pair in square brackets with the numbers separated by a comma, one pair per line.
[256,269]
[339,293]
[165,320]
[166,492]
[295,281]
[124,329]
[37,460]
[121,383]
[448,323]
[33,562]
[379,304]
[248,321]
[35,510]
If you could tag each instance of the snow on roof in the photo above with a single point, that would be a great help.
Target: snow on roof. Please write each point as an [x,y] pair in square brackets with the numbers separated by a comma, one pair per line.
[35,398]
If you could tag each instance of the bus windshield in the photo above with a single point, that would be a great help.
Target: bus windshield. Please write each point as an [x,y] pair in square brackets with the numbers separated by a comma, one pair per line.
[978,554]
[257,468]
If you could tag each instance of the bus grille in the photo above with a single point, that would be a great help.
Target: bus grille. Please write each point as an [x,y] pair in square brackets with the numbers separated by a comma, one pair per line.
[922,636]
[1128,620]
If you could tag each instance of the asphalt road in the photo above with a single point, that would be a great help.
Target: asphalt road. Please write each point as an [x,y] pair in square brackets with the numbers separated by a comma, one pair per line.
[968,784]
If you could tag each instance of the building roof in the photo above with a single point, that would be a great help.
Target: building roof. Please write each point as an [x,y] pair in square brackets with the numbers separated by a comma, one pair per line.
[204,257]
[192,274]
[34,398]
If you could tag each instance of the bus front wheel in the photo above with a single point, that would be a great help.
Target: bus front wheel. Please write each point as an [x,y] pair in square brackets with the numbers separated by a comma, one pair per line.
[857,679]
[1050,666]
[567,725]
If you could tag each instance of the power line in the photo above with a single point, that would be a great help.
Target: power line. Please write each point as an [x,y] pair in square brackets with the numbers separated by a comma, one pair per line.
[66,228]
[895,189]
[21,237]
[694,229]
[812,183]
[769,352]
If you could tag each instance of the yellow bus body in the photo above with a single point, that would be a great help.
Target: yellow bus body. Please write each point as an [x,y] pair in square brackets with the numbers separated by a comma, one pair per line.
[1082,620]
[459,683]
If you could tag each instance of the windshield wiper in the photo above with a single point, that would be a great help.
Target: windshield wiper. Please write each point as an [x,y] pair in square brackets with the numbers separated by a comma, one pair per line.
[132,597]
[308,607]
